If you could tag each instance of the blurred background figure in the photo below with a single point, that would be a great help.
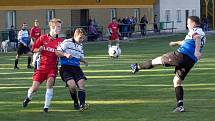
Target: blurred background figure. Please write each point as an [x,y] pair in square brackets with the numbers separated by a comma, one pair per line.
[35,32]
[13,36]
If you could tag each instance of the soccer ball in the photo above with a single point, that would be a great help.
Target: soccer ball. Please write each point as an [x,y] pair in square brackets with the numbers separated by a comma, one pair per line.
[114,51]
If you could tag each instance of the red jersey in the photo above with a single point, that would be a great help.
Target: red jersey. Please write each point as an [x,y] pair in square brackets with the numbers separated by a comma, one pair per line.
[48,58]
[35,32]
[114,31]
[113,27]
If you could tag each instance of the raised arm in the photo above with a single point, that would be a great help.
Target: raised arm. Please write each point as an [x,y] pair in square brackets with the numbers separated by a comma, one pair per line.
[174,43]
[197,39]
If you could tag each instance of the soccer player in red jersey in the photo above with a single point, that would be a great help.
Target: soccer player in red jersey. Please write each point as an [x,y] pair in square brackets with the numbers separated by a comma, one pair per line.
[35,31]
[46,68]
[113,29]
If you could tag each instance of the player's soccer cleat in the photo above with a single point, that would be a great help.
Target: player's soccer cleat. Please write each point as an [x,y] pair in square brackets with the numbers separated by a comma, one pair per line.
[134,68]
[76,106]
[16,68]
[179,109]
[46,110]
[29,67]
[84,107]
[25,102]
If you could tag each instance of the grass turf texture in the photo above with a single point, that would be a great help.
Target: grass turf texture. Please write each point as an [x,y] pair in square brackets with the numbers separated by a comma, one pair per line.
[114,94]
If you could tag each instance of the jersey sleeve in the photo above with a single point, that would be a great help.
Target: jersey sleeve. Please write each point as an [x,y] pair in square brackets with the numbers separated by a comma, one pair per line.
[37,43]
[20,36]
[82,52]
[32,33]
[195,32]
[109,25]
[62,46]
[82,55]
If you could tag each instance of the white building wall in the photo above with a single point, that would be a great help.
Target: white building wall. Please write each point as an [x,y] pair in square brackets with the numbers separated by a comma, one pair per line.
[173,5]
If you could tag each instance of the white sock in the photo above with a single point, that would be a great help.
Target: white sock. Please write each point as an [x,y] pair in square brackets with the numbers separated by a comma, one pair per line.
[48,97]
[109,46]
[117,44]
[30,92]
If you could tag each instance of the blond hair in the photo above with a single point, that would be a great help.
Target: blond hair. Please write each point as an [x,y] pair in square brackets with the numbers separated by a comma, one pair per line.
[54,21]
[80,31]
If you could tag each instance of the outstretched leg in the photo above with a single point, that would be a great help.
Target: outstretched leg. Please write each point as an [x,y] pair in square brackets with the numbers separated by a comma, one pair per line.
[168,59]
[16,62]
[146,65]
[31,90]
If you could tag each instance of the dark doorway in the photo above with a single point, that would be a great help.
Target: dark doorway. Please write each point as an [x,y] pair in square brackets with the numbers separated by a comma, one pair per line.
[75,17]
[186,16]
[84,17]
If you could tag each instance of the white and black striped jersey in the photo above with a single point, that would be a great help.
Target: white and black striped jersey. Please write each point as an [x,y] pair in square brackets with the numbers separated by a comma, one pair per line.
[69,46]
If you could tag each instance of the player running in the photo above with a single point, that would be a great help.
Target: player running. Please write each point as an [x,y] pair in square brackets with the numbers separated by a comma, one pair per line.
[71,54]
[23,47]
[113,29]
[46,68]
[35,31]
[183,59]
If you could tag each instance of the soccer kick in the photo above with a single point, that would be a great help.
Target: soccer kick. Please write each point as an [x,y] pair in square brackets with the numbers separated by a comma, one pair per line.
[183,59]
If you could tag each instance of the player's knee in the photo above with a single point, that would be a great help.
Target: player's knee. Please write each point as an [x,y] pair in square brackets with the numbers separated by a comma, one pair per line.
[17,56]
[177,81]
[34,88]
[50,82]
[81,84]
[71,84]
[157,61]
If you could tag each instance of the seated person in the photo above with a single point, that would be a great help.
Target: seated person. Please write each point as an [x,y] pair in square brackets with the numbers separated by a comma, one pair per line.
[92,32]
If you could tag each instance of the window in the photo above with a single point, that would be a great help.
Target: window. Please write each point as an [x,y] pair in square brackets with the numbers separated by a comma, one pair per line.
[11,19]
[178,12]
[98,1]
[112,13]
[50,15]
[194,12]
[167,15]
[137,13]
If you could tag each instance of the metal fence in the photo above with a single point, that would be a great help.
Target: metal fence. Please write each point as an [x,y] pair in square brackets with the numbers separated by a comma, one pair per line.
[127,30]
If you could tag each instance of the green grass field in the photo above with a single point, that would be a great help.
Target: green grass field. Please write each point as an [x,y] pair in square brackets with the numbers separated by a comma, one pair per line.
[114,94]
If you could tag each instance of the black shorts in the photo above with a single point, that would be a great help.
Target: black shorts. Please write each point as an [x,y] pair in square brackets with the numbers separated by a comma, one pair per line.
[182,63]
[23,49]
[71,73]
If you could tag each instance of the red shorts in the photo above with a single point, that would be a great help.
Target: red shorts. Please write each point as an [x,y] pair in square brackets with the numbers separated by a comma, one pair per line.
[114,37]
[41,76]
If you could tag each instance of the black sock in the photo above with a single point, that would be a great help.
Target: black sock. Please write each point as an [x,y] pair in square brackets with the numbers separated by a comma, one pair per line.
[16,63]
[73,95]
[29,61]
[146,65]
[179,92]
[81,96]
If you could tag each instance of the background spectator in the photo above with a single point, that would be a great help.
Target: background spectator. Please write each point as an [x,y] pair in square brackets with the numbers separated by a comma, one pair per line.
[92,32]
[156,22]
[13,36]
[35,31]
[143,25]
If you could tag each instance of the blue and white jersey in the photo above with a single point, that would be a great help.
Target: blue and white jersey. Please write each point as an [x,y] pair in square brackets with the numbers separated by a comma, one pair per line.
[23,36]
[70,47]
[188,44]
